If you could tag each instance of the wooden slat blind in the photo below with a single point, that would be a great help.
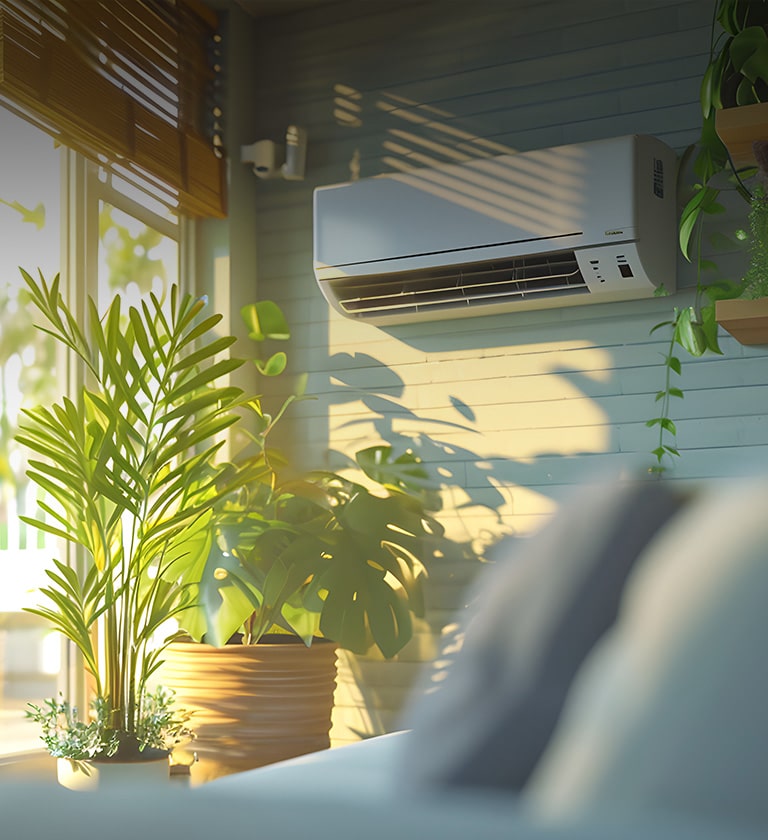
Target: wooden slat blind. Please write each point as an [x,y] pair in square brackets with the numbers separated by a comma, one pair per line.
[128,83]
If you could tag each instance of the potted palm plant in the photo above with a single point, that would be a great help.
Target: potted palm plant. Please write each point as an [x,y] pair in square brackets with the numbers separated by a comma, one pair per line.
[316,557]
[126,465]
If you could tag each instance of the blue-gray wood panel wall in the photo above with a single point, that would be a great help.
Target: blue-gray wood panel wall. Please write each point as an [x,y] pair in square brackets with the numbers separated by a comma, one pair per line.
[515,409]
[550,396]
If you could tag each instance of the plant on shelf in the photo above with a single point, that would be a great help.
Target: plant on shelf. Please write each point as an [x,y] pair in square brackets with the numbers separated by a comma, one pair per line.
[127,468]
[736,74]
[756,278]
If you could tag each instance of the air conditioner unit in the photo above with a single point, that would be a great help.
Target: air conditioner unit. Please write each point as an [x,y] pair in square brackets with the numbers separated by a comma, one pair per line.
[585,223]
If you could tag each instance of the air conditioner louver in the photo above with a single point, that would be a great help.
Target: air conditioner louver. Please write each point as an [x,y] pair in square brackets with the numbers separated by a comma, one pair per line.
[461,286]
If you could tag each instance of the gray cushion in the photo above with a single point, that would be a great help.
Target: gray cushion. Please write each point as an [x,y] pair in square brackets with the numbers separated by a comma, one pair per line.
[535,616]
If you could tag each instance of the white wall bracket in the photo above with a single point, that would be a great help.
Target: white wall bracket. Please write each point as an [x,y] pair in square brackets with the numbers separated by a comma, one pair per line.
[271,160]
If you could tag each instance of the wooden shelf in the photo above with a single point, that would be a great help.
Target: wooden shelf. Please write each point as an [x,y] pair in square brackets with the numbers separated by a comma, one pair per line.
[745,320]
[739,127]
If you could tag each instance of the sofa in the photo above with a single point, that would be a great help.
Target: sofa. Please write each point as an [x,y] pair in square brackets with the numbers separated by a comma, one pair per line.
[610,682]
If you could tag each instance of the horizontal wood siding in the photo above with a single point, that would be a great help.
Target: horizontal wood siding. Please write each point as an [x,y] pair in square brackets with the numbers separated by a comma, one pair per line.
[513,409]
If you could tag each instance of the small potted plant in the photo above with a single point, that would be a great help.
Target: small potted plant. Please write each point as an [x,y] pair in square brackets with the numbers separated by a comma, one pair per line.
[126,466]
[746,317]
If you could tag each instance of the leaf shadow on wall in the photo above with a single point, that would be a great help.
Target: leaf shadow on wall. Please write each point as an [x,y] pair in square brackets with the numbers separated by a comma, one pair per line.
[469,479]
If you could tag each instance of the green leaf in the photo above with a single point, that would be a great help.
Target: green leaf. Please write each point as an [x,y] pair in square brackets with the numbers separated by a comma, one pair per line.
[701,202]
[200,432]
[689,333]
[745,93]
[709,328]
[142,339]
[208,351]
[668,425]
[205,377]
[188,410]
[274,366]
[659,326]
[264,320]
[707,86]
[389,619]
[749,53]
[200,330]
[42,525]
[727,17]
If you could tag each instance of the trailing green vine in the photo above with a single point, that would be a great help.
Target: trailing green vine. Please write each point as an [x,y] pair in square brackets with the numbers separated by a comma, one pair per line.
[737,74]
[694,328]
[666,425]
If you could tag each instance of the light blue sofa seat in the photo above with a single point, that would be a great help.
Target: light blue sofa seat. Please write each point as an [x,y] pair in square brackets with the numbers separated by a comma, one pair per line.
[663,732]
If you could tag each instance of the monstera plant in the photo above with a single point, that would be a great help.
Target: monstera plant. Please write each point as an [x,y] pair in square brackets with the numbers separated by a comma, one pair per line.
[283,570]
[314,553]
[320,556]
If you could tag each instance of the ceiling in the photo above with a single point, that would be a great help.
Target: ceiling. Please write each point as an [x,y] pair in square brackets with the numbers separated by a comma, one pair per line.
[270,8]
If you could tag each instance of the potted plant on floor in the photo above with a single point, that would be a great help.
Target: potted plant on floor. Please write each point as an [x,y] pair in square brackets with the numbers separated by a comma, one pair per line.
[126,465]
[316,557]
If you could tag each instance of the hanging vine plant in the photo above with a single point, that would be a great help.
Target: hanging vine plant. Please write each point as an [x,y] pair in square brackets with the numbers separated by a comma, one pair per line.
[736,74]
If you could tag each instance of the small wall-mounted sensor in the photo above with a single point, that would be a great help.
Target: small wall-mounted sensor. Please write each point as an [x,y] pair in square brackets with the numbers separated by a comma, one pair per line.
[269,160]
[295,153]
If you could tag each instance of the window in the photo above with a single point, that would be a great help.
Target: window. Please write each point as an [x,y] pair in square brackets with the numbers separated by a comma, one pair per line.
[29,218]
[131,94]
[113,238]
[131,85]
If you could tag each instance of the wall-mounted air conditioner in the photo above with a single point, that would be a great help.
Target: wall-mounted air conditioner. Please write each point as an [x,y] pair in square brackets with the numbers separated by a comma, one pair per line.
[586,223]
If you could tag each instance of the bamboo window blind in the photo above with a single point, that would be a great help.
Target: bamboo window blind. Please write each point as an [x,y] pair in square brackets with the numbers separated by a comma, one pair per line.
[130,84]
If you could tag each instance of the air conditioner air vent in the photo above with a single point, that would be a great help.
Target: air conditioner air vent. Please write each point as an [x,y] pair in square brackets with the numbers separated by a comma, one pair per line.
[461,286]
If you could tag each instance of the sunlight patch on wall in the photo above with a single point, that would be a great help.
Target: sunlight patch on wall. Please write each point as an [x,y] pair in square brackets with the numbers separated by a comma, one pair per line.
[483,417]
[347,106]
[435,125]
[431,145]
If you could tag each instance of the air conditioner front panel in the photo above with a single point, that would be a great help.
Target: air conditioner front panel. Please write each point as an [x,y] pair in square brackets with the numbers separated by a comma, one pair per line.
[534,201]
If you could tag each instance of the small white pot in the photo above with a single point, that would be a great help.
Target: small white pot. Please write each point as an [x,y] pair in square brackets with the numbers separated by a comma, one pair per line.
[96,775]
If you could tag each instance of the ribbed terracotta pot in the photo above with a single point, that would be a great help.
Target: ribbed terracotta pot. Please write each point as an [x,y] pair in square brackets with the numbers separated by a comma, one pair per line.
[252,704]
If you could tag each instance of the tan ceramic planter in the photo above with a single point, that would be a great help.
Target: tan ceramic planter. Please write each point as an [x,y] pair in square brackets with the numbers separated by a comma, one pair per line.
[252,705]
